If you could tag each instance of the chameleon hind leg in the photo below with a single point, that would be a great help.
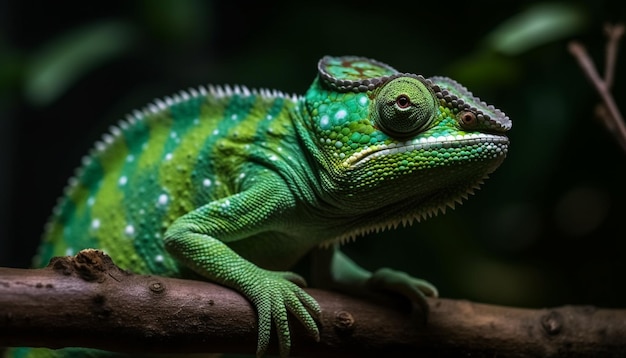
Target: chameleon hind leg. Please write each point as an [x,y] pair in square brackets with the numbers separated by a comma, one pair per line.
[334,270]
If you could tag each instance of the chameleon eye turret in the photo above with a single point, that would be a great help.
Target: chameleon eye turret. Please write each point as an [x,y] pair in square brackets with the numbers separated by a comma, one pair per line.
[471,112]
[404,106]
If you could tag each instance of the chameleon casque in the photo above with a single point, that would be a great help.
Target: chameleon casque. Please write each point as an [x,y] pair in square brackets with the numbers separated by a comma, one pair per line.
[237,185]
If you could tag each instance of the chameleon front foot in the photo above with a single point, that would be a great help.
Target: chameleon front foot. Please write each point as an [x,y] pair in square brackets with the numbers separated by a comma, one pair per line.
[415,289]
[274,294]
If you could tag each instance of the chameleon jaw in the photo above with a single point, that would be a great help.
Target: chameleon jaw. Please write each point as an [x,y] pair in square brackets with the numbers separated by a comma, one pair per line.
[408,219]
[495,144]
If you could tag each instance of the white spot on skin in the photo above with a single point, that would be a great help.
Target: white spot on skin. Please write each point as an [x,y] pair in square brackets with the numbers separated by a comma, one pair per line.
[69,251]
[341,114]
[363,100]
[129,230]
[158,258]
[216,132]
[95,224]
[163,199]
[123,180]
[130,158]
[206,182]
[168,156]
[91,201]
[324,122]
[233,117]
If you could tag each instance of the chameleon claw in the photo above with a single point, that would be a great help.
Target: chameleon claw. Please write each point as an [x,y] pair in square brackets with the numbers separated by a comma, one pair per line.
[275,295]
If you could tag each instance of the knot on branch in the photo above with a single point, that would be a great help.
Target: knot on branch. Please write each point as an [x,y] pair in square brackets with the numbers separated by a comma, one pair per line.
[552,323]
[89,264]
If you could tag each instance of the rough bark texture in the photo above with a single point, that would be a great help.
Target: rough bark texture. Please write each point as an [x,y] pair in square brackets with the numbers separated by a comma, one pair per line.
[87,301]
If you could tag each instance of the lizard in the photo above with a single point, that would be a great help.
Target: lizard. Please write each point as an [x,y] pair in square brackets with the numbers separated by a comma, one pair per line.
[236,185]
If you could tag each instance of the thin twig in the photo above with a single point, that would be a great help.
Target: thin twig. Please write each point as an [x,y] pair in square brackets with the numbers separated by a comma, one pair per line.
[614,120]
[613,33]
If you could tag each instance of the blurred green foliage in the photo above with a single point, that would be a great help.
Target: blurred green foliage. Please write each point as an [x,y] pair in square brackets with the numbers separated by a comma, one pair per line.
[60,63]
[538,25]
[546,229]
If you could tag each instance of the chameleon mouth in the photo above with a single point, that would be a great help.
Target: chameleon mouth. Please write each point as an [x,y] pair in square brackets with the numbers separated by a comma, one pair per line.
[476,145]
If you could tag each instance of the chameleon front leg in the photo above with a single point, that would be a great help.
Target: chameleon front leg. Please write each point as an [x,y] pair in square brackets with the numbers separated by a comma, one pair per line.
[334,270]
[198,240]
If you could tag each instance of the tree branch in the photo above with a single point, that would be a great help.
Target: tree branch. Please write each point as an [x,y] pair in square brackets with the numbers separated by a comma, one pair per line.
[614,34]
[609,112]
[87,301]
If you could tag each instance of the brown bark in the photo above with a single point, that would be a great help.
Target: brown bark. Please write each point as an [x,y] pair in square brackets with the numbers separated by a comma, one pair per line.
[87,301]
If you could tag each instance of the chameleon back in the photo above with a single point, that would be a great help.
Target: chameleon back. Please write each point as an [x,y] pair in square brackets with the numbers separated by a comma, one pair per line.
[162,162]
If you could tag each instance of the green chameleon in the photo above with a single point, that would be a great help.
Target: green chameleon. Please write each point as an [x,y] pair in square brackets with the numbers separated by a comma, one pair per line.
[237,184]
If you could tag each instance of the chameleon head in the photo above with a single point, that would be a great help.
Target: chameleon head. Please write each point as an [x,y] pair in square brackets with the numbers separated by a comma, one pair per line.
[376,128]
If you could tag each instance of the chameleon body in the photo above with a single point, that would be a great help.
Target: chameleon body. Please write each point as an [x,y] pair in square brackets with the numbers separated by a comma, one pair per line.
[236,185]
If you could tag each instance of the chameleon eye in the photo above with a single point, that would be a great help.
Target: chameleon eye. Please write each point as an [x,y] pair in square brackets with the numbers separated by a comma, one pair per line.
[403,101]
[403,107]
[467,119]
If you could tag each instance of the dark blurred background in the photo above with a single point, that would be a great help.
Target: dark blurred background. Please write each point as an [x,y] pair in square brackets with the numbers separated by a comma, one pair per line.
[545,230]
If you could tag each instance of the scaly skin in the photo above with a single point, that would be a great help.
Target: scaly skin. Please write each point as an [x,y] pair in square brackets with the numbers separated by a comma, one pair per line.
[237,185]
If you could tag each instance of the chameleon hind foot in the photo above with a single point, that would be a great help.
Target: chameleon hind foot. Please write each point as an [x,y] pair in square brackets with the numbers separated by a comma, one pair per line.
[415,289]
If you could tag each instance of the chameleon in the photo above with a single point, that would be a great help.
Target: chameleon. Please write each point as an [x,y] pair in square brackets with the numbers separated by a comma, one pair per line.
[236,184]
